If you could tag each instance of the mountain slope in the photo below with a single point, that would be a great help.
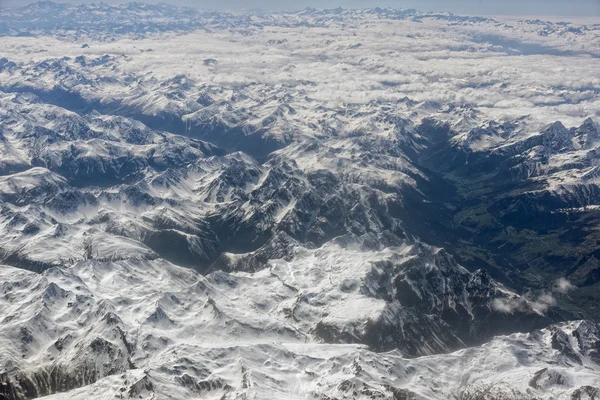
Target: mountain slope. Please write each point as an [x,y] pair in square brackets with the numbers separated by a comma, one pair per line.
[558,362]
[320,204]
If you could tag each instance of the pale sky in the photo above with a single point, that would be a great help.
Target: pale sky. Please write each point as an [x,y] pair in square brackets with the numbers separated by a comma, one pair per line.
[481,7]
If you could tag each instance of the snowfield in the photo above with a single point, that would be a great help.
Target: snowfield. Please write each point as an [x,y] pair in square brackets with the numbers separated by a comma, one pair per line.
[323,204]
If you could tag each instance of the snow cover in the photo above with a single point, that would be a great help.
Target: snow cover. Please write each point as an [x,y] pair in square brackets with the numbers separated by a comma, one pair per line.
[188,336]
[207,205]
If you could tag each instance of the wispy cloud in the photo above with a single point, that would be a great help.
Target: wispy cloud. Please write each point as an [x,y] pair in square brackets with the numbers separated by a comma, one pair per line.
[562,285]
[539,303]
[526,303]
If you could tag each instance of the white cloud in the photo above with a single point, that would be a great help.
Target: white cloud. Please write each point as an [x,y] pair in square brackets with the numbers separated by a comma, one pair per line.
[434,60]
[562,285]
[540,303]
[526,303]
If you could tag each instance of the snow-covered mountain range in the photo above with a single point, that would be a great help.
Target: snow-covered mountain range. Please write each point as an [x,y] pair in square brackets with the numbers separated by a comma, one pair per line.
[201,205]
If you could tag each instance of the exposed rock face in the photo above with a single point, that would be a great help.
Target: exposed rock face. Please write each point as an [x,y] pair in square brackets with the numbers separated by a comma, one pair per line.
[168,237]
[323,371]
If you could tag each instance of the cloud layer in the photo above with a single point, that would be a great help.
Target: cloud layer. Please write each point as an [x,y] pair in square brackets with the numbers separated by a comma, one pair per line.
[503,68]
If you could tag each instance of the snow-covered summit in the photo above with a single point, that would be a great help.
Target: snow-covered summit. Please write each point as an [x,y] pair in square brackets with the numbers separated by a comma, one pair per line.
[319,204]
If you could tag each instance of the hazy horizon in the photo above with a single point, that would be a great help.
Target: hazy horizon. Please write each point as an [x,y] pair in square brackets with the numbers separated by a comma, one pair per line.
[588,8]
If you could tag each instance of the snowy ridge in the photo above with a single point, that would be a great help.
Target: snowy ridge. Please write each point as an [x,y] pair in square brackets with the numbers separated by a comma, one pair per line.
[314,370]
[135,19]
[329,204]
[320,245]
[79,325]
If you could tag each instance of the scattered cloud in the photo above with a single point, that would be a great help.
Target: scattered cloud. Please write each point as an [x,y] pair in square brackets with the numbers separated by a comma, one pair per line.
[562,285]
[526,303]
[539,303]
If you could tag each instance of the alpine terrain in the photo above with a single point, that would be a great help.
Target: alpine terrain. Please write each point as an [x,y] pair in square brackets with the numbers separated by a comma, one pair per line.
[321,204]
